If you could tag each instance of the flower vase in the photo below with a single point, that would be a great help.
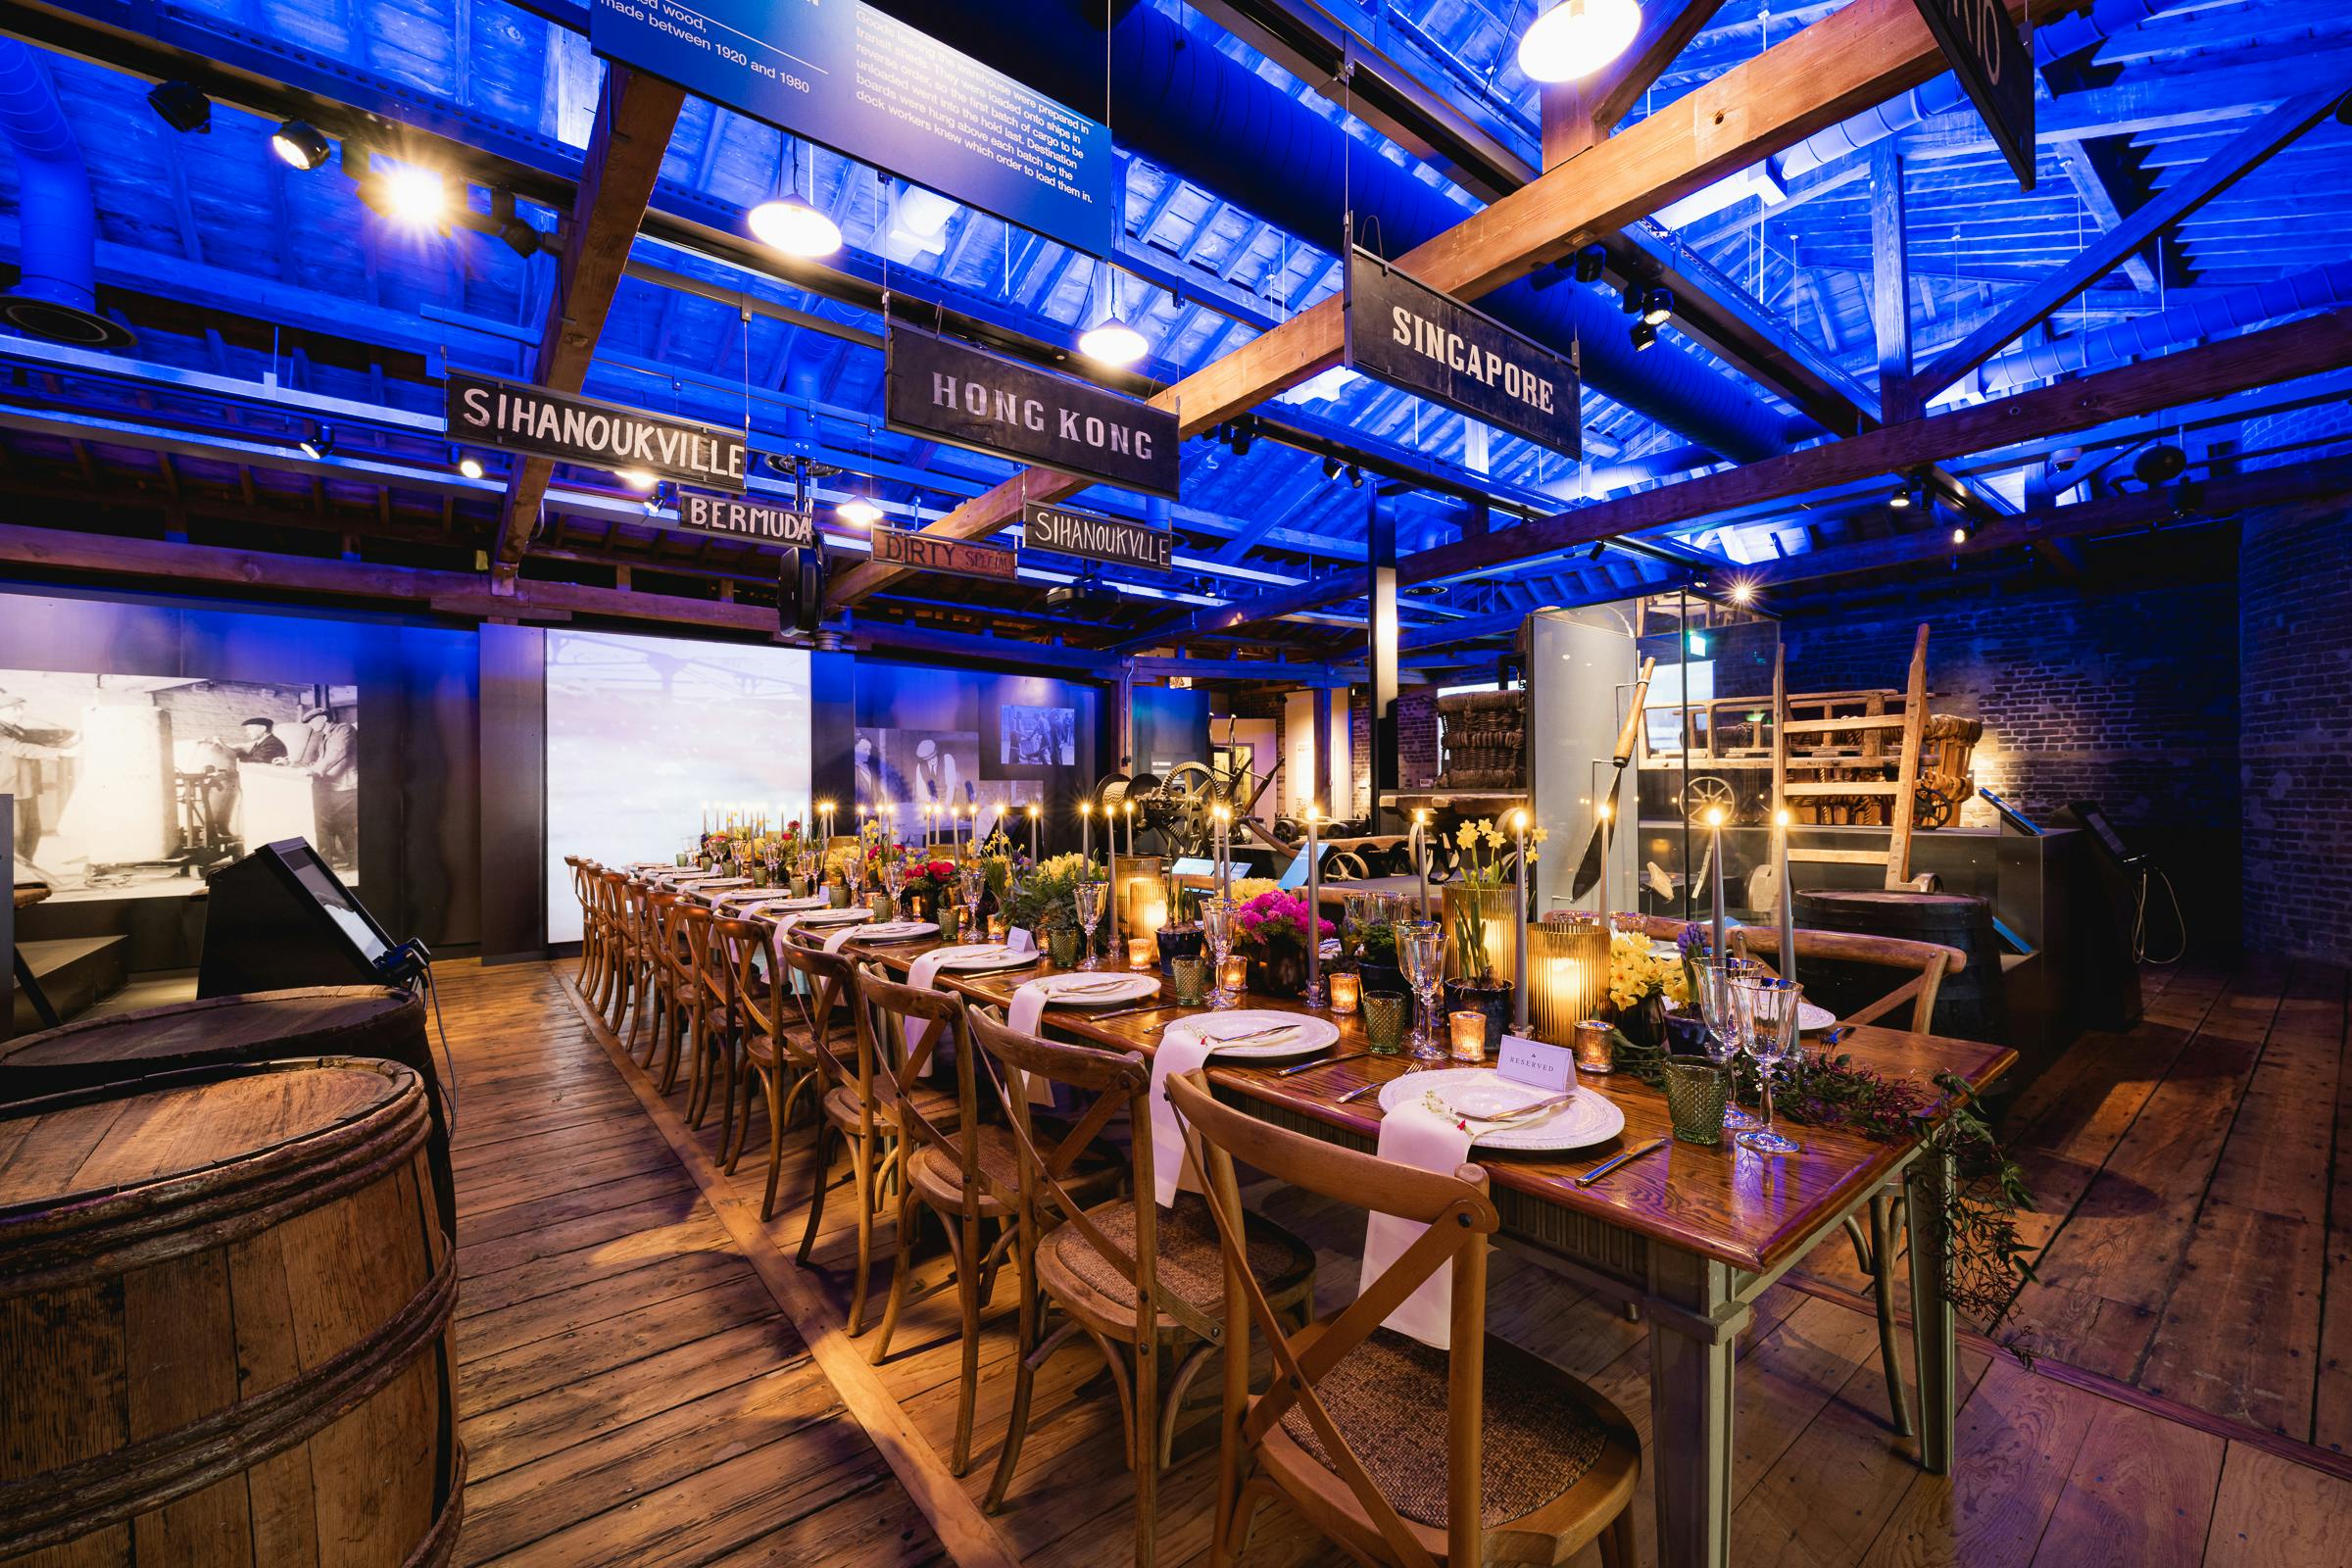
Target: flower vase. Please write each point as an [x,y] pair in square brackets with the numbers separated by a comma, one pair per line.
[1280,970]
[1493,999]
[1645,1022]
[1492,908]
[1178,942]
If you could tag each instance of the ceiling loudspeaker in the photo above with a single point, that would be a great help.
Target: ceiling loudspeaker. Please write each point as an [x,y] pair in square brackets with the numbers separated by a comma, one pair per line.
[800,592]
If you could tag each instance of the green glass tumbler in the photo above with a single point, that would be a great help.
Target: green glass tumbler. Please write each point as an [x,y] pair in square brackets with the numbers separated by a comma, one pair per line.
[1696,1093]
[1388,1014]
[1192,980]
[1061,946]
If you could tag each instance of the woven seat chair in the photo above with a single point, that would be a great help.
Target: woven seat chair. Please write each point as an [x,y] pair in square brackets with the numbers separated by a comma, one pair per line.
[1397,1452]
[1927,964]
[1130,1277]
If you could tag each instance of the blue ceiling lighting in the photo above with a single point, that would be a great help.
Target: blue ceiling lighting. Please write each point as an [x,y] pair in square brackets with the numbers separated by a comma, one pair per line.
[285,275]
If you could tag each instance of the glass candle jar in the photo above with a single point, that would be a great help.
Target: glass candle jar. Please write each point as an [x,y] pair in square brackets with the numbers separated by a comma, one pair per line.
[1467,1031]
[1143,953]
[1596,1050]
[1234,975]
[996,928]
[1346,990]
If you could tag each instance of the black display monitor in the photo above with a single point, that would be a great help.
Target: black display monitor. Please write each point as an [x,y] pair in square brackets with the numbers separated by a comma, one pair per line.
[281,918]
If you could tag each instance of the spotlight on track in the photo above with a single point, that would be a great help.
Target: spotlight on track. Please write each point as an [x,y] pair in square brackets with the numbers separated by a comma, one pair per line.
[417,197]
[1899,500]
[1591,262]
[321,443]
[1657,307]
[1355,477]
[299,143]
[2161,463]
[183,106]
[1244,435]
[1632,298]
[859,512]
[1331,468]
[1643,335]
[466,462]
[638,478]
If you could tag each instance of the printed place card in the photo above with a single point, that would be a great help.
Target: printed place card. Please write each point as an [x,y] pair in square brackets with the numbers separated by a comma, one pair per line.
[1019,939]
[1532,1062]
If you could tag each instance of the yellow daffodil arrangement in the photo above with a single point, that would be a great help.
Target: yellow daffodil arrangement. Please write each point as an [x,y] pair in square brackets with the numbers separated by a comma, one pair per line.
[1636,974]
[1479,848]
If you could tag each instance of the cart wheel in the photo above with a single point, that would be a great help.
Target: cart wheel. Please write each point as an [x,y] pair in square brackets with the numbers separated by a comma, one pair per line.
[1344,865]
[1932,806]
[1706,793]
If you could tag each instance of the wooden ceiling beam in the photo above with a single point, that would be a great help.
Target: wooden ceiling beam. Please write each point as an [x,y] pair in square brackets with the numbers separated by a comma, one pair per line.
[1818,76]
[635,114]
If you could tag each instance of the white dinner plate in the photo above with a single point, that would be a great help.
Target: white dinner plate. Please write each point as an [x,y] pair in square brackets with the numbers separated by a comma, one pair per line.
[1813,1020]
[897,930]
[848,916]
[787,906]
[1081,989]
[1590,1118]
[1309,1033]
[974,957]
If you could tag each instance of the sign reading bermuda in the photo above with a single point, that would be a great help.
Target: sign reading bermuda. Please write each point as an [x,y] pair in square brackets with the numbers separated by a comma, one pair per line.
[755,521]
[488,412]
[950,391]
[1434,346]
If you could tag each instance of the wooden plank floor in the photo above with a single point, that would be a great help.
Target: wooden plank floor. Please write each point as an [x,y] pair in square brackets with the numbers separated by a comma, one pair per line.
[630,1391]
[668,1406]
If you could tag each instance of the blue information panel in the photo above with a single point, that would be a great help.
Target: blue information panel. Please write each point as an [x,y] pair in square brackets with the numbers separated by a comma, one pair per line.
[868,85]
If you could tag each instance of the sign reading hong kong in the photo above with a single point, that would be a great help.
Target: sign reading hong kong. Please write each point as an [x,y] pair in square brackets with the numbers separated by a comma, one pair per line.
[487,413]
[950,391]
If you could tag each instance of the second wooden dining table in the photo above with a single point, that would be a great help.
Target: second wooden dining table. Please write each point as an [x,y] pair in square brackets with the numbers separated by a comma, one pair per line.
[1692,1235]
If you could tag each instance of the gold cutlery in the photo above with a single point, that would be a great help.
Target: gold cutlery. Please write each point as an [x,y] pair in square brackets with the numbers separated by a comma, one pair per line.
[1520,1113]
[1361,1091]
[1610,1165]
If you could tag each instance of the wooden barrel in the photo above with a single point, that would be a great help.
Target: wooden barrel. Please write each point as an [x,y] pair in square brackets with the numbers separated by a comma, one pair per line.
[1973,1004]
[260,1026]
[225,1309]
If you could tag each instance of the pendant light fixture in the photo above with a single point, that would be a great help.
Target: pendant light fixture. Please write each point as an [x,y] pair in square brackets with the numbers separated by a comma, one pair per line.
[790,223]
[1111,341]
[1577,37]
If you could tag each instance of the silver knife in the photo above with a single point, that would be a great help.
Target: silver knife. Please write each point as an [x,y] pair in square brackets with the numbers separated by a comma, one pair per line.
[1610,1165]
[1320,1062]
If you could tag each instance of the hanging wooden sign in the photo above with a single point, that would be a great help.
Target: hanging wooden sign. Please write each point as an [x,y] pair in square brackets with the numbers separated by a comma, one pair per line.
[1994,61]
[754,520]
[1434,346]
[484,412]
[949,391]
[931,553]
[1069,532]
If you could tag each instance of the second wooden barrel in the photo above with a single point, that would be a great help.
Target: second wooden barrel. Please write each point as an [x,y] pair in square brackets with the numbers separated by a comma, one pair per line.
[260,1026]
[1973,1004]
[225,1309]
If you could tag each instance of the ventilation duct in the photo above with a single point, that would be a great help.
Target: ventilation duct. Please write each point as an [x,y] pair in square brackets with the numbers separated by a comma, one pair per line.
[56,294]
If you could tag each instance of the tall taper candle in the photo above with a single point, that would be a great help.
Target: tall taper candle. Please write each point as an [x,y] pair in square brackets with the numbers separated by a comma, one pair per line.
[1520,990]
[1715,857]
[1780,823]
[1033,835]
[1421,856]
[1127,811]
[1608,811]
[1086,829]
[1314,910]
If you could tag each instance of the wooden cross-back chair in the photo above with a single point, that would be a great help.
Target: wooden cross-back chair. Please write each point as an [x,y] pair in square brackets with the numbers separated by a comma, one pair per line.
[871,1101]
[672,974]
[1130,1278]
[776,1021]
[640,939]
[1347,1430]
[711,1001]
[616,990]
[1927,964]
[590,938]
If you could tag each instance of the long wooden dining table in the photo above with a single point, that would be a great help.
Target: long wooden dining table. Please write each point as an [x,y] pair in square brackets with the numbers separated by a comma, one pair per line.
[1691,1235]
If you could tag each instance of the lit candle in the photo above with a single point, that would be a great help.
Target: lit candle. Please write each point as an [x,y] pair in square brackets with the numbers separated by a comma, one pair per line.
[1715,855]
[1519,930]
[1782,819]
[1345,988]
[1314,910]
[1468,1031]
[1086,828]
[996,928]
[1127,809]
[1033,835]
[1233,975]
[1223,850]
[1143,953]
[1595,1051]
[1421,855]
[1150,911]
[1602,895]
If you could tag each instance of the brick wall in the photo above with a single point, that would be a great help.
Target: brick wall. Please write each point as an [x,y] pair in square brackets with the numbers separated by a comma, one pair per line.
[2295,670]
[1359,751]
[2125,696]
[1417,737]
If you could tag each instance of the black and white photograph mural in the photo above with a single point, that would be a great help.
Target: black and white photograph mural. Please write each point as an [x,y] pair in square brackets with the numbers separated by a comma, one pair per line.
[131,786]
[1036,737]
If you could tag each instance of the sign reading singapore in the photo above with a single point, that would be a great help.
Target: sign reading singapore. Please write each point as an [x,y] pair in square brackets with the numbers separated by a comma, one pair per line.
[1434,346]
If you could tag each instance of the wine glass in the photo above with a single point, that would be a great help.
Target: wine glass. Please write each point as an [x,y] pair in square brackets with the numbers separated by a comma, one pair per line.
[1090,898]
[1421,953]
[894,878]
[1217,922]
[1718,1004]
[1766,1009]
[973,884]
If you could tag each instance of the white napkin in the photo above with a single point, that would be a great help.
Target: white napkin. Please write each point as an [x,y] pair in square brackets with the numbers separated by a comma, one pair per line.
[1414,1135]
[923,975]
[1181,1049]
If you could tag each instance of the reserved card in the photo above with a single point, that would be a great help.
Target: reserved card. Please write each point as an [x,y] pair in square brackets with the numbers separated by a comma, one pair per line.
[1533,1063]
[1019,939]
